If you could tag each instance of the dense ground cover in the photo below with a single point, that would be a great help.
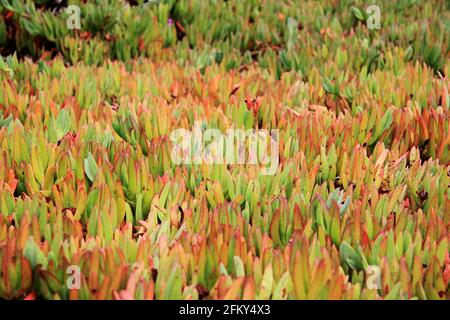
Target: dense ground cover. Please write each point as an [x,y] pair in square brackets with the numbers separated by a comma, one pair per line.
[359,207]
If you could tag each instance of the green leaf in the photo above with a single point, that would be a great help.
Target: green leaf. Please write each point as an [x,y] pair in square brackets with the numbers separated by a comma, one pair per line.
[329,87]
[90,167]
[173,288]
[5,122]
[357,13]
[282,287]
[350,257]
[386,121]
[266,284]
[408,54]
[62,124]
[34,254]
[239,267]
[164,195]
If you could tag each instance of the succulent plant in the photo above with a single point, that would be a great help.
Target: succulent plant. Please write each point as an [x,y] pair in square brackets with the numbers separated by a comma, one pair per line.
[87,180]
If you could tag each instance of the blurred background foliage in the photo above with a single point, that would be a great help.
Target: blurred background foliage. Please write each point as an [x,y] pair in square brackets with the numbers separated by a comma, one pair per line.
[280,35]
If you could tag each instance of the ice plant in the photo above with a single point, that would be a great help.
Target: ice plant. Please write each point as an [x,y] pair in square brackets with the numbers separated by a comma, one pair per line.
[356,208]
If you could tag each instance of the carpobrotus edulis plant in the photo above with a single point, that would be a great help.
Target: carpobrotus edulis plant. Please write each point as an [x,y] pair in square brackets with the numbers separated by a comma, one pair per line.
[93,205]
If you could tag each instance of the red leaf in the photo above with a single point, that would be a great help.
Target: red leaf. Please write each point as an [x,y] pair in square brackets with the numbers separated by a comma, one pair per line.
[31,296]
